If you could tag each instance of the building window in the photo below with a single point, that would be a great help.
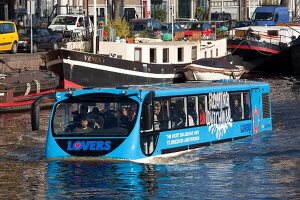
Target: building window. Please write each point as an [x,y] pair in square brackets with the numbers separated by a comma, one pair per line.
[194,53]
[152,55]
[180,54]
[138,54]
[216,4]
[165,55]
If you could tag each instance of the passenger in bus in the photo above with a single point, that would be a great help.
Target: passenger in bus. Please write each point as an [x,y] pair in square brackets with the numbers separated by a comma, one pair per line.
[155,117]
[110,120]
[162,115]
[192,115]
[236,110]
[81,113]
[202,115]
[84,128]
[246,106]
[95,119]
[77,116]
[132,115]
[178,119]
[124,121]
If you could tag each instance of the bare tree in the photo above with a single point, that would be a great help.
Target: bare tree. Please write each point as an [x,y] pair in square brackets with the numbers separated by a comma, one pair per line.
[209,10]
[118,6]
[243,7]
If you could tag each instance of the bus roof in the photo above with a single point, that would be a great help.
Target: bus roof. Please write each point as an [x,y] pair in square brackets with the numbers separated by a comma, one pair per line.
[170,89]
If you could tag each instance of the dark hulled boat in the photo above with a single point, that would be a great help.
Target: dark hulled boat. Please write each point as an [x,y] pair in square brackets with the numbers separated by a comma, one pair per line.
[262,49]
[18,89]
[129,64]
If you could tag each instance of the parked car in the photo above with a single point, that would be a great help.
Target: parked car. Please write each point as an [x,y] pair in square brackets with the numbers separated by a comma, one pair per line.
[184,21]
[198,27]
[43,38]
[167,28]
[222,16]
[71,23]
[239,24]
[145,27]
[9,37]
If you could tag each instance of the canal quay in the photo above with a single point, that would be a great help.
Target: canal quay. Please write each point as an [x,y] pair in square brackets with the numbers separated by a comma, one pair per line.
[21,60]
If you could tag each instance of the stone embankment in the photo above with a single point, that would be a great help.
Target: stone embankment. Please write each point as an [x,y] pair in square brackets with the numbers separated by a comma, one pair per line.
[21,61]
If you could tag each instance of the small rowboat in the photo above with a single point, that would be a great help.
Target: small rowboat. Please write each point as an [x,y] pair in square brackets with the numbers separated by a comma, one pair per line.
[212,69]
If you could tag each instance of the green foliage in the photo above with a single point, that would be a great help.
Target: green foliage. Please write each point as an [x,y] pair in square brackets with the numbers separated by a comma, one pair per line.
[201,13]
[160,14]
[120,25]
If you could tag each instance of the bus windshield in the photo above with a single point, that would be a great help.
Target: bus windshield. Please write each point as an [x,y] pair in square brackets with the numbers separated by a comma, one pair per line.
[109,116]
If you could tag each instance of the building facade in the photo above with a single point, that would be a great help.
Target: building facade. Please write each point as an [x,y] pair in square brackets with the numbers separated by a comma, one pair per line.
[45,10]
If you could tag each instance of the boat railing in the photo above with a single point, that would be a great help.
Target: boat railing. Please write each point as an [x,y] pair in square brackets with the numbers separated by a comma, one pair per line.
[270,36]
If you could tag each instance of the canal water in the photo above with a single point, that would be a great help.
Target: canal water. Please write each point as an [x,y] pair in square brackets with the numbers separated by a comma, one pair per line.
[265,166]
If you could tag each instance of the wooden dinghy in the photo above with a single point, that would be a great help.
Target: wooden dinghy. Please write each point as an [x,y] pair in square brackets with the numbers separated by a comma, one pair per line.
[212,69]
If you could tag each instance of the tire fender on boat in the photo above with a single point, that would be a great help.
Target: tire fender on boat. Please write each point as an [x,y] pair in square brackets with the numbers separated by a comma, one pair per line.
[38,86]
[27,89]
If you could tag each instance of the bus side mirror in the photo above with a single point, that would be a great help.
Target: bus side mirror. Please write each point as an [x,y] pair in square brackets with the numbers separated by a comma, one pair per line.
[35,109]
[148,111]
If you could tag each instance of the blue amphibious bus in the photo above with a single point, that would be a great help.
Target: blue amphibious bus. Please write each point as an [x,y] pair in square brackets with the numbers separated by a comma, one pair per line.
[141,122]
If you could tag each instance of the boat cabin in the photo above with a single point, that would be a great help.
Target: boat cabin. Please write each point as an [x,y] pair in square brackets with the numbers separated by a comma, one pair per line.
[177,52]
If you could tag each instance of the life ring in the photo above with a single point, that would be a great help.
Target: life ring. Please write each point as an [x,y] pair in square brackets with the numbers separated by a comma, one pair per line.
[256,114]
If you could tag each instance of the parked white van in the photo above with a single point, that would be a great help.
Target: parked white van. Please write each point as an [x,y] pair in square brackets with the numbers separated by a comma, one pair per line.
[74,23]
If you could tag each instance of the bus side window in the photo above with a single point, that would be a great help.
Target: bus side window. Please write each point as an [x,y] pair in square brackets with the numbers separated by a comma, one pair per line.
[235,106]
[161,114]
[202,109]
[178,112]
[192,111]
[246,105]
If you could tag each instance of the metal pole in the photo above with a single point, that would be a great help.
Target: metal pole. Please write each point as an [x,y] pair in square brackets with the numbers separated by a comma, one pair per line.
[31,43]
[172,20]
[95,28]
[105,12]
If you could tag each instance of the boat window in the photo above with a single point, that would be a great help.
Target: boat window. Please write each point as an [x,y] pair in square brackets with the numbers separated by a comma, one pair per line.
[194,53]
[180,54]
[152,55]
[178,112]
[205,54]
[165,55]
[217,52]
[138,54]
[108,117]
